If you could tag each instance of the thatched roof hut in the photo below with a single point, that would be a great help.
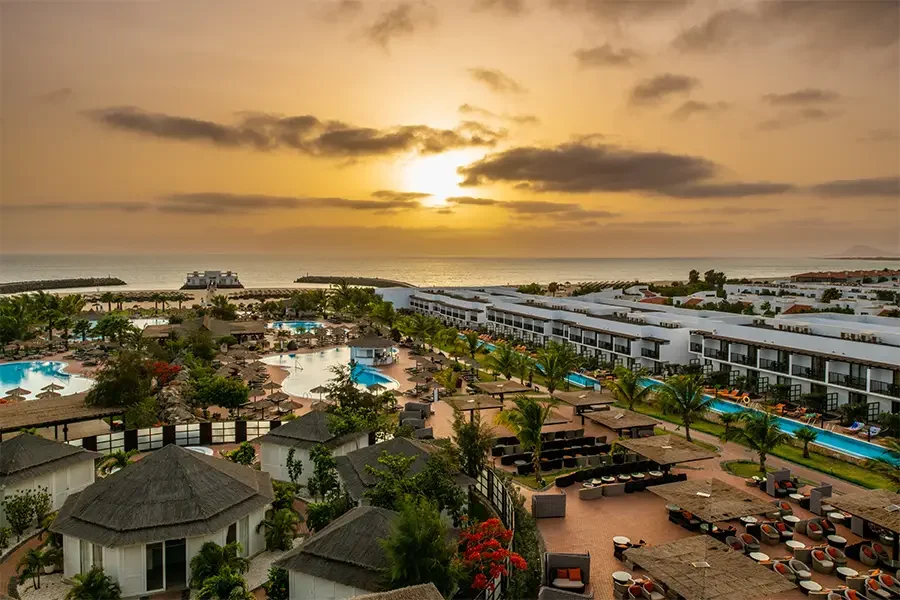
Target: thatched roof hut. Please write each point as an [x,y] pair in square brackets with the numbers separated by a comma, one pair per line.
[28,456]
[881,507]
[425,591]
[712,499]
[305,431]
[667,449]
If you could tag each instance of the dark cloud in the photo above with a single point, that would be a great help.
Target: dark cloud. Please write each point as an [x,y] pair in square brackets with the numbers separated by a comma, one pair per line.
[469,109]
[620,10]
[401,21]
[660,87]
[820,26]
[801,116]
[128,207]
[802,97]
[728,190]
[497,81]
[886,187]
[509,7]
[344,10]
[880,136]
[696,107]
[471,201]
[444,211]
[223,203]
[306,133]
[607,56]
[58,96]
[401,196]
[560,210]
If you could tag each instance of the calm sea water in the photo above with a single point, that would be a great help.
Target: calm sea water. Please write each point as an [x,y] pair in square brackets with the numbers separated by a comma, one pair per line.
[163,272]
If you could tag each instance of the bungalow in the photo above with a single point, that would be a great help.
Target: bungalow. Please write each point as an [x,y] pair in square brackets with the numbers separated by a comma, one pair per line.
[29,462]
[241,330]
[343,560]
[356,478]
[302,434]
[145,523]
[372,350]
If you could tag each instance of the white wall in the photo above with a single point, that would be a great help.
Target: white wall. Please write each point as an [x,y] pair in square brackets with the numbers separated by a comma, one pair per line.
[273,457]
[60,484]
[308,587]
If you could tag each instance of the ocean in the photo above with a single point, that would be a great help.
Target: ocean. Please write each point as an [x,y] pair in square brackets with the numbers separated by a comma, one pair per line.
[167,272]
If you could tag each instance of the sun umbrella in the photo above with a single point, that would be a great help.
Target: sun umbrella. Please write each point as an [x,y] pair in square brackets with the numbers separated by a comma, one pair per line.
[48,394]
[319,389]
[278,397]
[272,386]
[52,387]
[257,392]
[11,398]
[376,387]
[420,378]
[18,392]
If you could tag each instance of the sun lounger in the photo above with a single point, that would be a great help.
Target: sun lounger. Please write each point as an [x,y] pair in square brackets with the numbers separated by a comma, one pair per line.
[872,432]
[854,428]
[821,562]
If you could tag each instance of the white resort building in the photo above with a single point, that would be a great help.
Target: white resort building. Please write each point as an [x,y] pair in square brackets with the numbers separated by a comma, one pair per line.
[372,351]
[212,280]
[845,358]
[144,524]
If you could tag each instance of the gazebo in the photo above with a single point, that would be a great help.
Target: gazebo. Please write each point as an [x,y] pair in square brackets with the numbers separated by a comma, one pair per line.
[500,388]
[584,400]
[667,450]
[702,568]
[712,500]
[879,507]
[474,402]
[624,420]
[372,350]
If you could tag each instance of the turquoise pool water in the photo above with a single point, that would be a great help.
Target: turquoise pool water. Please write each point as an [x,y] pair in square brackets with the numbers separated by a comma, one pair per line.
[296,326]
[830,439]
[309,370]
[34,375]
[581,380]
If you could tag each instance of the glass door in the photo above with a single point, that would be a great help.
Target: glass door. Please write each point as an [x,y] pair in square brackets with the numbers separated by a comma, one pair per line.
[176,564]
[155,572]
[244,535]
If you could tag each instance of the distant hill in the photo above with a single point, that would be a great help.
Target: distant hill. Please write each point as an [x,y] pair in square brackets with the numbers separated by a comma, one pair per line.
[861,251]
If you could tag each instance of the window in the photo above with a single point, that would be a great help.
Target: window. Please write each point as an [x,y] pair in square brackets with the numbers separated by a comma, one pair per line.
[97,555]
[231,535]
[84,551]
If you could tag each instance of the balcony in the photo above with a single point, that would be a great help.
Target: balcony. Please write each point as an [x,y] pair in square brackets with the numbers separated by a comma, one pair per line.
[604,345]
[773,365]
[622,349]
[809,373]
[849,381]
[695,347]
[558,332]
[575,338]
[650,353]
[743,359]
[717,354]
[882,387]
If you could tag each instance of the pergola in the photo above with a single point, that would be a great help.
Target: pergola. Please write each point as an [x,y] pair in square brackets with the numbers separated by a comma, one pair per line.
[53,413]
[623,420]
[584,400]
[881,507]
[472,403]
[667,450]
[499,388]
[711,500]
[703,568]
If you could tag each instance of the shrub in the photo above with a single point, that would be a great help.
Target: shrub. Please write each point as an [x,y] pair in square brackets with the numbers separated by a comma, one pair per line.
[19,512]
[244,454]
[277,585]
[5,533]
[292,345]
[42,503]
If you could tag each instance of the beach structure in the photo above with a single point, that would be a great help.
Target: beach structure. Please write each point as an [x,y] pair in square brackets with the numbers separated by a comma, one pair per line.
[301,435]
[31,462]
[372,351]
[145,523]
[343,560]
[838,358]
[241,330]
[212,280]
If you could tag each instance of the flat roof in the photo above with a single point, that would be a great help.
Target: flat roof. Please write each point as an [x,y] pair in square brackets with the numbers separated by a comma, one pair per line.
[712,500]
[47,413]
[628,420]
[667,449]
[473,402]
[881,507]
[502,387]
[584,398]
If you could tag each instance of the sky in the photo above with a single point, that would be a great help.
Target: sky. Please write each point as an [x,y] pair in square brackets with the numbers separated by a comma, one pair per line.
[588,128]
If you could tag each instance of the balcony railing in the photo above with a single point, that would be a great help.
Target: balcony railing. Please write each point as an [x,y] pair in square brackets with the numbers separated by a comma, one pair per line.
[773,365]
[575,338]
[809,373]
[742,359]
[604,345]
[695,347]
[558,332]
[622,349]
[883,387]
[650,353]
[718,354]
[847,381]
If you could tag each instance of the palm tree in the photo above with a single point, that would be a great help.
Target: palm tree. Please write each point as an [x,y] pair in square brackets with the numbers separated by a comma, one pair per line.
[556,361]
[48,310]
[729,420]
[154,297]
[526,420]
[420,327]
[213,558]
[448,379]
[448,338]
[552,287]
[761,432]
[119,300]
[320,301]
[383,313]
[806,435]
[341,295]
[888,464]
[109,298]
[94,585]
[503,359]
[116,460]
[227,584]
[628,387]
[282,526]
[473,438]
[472,343]
[32,565]
[281,334]
[683,395]
[525,367]
[82,328]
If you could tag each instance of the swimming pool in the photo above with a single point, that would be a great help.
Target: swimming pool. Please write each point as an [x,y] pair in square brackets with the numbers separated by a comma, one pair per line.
[829,439]
[144,323]
[581,380]
[35,374]
[312,369]
[295,326]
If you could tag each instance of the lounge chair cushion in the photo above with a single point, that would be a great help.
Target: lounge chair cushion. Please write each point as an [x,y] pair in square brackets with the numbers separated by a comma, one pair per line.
[567,584]
[562,574]
[575,575]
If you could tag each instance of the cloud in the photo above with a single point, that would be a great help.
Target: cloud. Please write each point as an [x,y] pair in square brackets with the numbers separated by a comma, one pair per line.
[621,10]
[887,187]
[401,21]
[798,117]
[401,196]
[561,210]
[344,10]
[57,96]
[469,109]
[127,207]
[607,56]
[497,81]
[471,201]
[802,97]
[509,7]
[305,133]
[225,203]
[660,87]
[695,107]
[824,27]
[728,190]
[880,136]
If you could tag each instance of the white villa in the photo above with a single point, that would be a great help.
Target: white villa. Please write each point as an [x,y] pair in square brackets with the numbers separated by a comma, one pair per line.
[211,280]
[29,462]
[145,523]
[302,434]
[372,351]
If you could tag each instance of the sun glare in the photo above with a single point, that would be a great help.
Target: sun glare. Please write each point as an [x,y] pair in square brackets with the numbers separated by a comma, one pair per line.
[436,175]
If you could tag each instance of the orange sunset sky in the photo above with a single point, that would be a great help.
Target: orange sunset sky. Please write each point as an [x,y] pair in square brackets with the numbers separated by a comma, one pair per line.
[471,127]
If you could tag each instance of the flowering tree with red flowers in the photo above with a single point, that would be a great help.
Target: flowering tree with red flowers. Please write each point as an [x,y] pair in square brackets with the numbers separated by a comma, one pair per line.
[484,552]
[163,372]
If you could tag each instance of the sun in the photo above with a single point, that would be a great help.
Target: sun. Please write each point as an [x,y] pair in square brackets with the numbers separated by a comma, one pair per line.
[436,175]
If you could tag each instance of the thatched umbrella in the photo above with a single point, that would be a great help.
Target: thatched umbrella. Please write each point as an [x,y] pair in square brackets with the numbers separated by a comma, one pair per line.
[376,387]
[52,387]
[256,392]
[271,386]
[319,389]
[48,394]
[18,392]
[11,398]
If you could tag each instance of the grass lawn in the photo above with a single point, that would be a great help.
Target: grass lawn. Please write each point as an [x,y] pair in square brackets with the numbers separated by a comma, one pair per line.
[704,445]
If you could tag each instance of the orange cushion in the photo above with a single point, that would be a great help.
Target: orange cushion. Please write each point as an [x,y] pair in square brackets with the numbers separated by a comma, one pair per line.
[574,574]
[562,573]
[649,586]
[635,591]
[819,555]
[887,579]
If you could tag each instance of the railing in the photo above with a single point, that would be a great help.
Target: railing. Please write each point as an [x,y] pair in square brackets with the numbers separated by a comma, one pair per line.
[558,332]
[604,345]
[717,354]
[847,381]
[622,349]
[192,434]
[883,387]
[491,487]
[650,353]
[809,372]
[574,338]
[695,347]
[742,359]
[773,365]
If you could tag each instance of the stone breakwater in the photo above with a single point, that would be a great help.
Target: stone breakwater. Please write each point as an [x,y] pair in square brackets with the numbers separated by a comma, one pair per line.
[17,287]
[360,281]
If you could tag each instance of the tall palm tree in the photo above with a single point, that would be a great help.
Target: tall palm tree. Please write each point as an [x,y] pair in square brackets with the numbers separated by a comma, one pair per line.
[888,464]
[761,432]
[383,314]
[320,301]
[48,310]
[448,338]
[154,297]
[281,527]
[729,420]
[525,367]
[109,298]
[472,343]
[119,300]
[213,558]
[17,314]
[420,327]
[227,584]
[341,296]
[556,361]
[806,435]
[628,387]
[82,328]
[526,420]
[683,395]
[503,359]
